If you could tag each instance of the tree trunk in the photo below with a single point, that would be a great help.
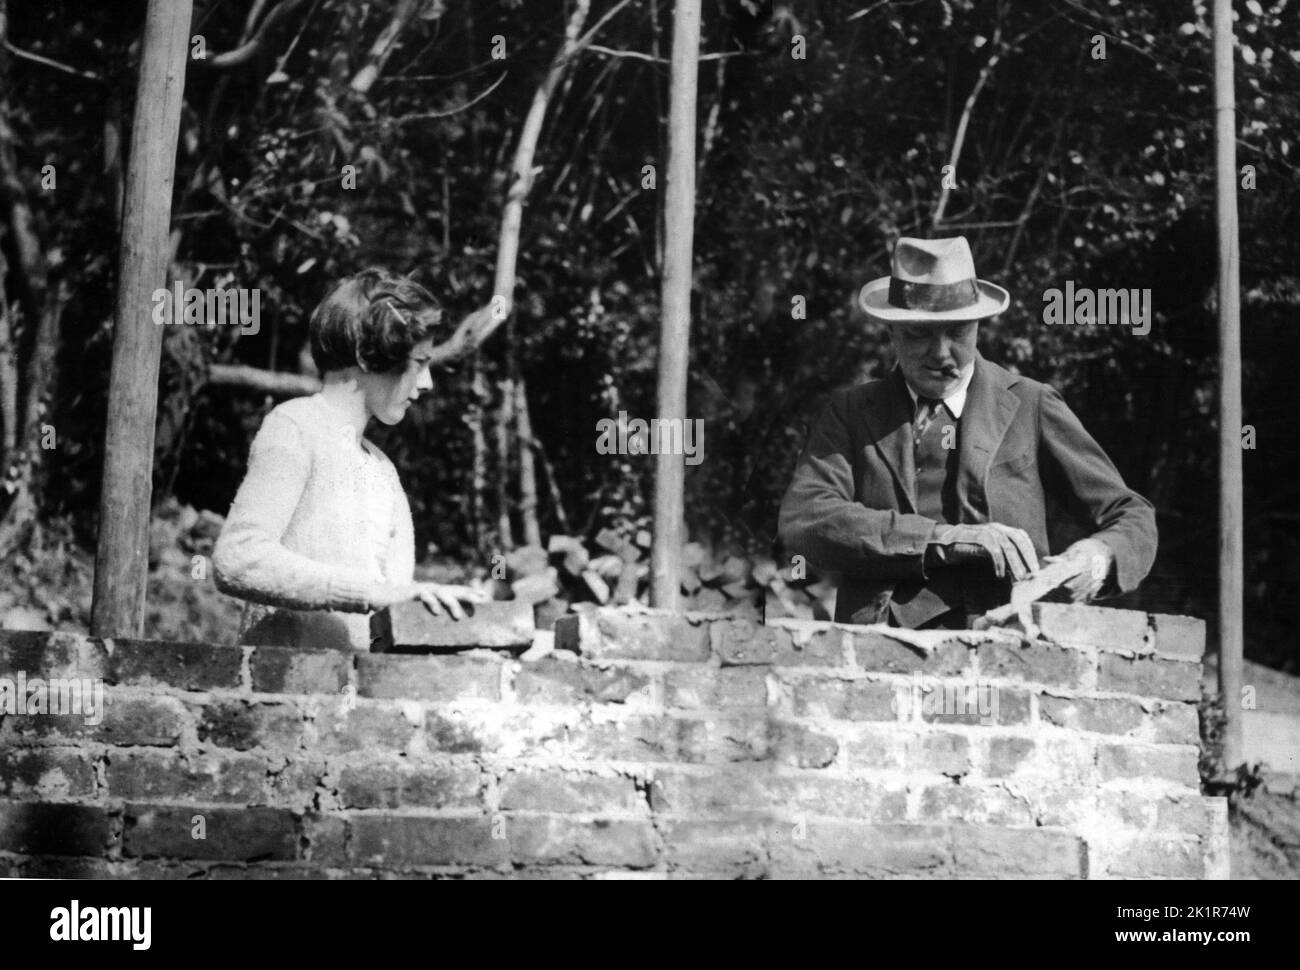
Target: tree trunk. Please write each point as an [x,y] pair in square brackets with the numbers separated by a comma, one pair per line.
[22,387]
[1231,513]
[527,469]
[478,475]
[675,330]
[505,410]
[121,556]
[8,371]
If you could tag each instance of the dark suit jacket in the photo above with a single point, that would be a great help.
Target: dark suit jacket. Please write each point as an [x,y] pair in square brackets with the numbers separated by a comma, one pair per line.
[1023,460]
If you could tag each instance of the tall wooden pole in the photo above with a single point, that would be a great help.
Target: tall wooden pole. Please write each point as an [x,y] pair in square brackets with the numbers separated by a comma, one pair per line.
[122,553]
[1231,637]
[675,328]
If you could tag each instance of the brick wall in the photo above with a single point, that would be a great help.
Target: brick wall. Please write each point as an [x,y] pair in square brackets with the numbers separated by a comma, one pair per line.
[648,745]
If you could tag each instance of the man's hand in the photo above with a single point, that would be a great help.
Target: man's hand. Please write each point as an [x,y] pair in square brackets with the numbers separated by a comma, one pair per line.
[1008,549]
[1094,560]
[436,597]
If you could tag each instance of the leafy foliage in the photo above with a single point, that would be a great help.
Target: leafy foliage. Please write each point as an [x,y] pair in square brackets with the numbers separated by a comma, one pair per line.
[1071,168]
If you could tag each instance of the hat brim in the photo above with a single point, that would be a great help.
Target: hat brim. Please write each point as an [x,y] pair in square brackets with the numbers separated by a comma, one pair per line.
[874,301]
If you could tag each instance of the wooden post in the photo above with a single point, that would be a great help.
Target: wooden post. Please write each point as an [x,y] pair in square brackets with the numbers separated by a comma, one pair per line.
[675,328]
[1231,637]
[122,553]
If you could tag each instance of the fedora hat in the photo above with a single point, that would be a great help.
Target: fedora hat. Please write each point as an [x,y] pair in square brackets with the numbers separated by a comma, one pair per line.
[932,280]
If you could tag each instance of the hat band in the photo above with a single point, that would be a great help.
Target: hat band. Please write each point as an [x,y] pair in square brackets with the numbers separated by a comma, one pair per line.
[935,297]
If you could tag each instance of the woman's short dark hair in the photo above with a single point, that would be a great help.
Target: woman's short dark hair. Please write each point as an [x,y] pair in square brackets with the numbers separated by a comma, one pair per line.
[372,320]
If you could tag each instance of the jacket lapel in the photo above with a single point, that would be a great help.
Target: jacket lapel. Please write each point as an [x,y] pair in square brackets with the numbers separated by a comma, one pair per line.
[889,418]
[990,408]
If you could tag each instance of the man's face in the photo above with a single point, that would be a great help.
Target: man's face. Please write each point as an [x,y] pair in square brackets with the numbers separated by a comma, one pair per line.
[932,356]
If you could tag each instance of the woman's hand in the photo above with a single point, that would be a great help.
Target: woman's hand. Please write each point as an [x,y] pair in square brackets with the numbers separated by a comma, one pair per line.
[436,597]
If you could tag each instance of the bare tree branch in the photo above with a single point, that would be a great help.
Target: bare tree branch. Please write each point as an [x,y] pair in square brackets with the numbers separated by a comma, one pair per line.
[638,56]
[47,62]
[246,51]
[403,13]
[262,381]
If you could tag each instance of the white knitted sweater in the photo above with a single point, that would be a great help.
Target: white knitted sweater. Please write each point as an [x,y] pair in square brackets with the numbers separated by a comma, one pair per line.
[318,519]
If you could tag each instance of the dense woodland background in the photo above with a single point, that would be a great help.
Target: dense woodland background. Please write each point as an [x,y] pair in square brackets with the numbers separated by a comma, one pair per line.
[1068,167]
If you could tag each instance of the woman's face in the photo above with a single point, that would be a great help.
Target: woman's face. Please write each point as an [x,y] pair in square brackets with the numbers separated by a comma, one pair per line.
[388,396]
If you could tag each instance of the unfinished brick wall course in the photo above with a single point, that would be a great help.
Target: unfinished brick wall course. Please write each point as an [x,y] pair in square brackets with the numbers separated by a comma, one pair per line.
[647,745]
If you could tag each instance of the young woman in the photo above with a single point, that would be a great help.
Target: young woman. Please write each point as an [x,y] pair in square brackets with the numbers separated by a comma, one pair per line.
[319,535]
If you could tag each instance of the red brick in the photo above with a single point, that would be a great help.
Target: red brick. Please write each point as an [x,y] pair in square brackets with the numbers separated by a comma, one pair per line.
[1190,814]
[325,838]
[1182,637]
[1035,662]
[940,752]
[714,687]
[1032,853]
[845,700]
[1056,758]
[387,785]
[146,775]
[1003,756]
[396,841]
[50,654]
[1149,677]
[278,670]
[1158,857]
[735,847]
[499,624]
[278,872]
[451,735]
[154,721]
[878,653]
[562,840]
[802,747]
[1175,723]
[37,828]
[1103,715]
[577,632]
[734,737]
[936,752]
[740,642]
[167,831]
[62,867]
[1177,764]
[974,704]
[1125,809]
[1095,626]
[861,849]
[656,635]
[569,791]
[391,676]
[879,748]
[715,740]
[365,728]
[951,802]
[165,663]
[551,681]
[1187,813]
[738,792]
[243,725]
[294,782]
[47,773]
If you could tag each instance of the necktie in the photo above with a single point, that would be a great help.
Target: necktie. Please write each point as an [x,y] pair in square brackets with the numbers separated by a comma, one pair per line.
[927,408]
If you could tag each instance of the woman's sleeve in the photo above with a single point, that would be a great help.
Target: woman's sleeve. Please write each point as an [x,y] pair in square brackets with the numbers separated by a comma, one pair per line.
[401,547]
[250,560]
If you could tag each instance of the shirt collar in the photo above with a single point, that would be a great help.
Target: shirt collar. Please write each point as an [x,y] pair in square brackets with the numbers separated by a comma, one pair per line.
[337,422]
[956,400]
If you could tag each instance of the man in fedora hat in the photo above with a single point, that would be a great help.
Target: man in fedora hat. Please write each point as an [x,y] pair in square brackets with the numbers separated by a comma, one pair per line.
[929,492]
